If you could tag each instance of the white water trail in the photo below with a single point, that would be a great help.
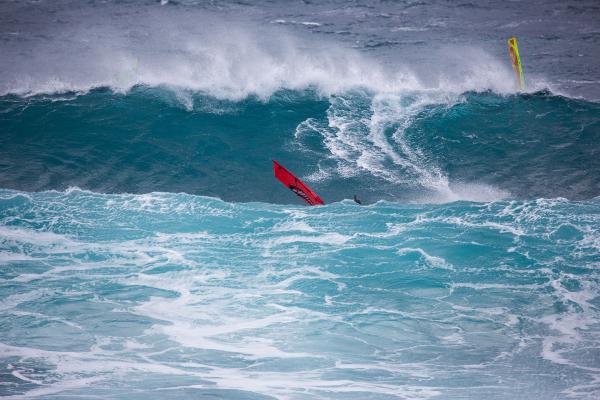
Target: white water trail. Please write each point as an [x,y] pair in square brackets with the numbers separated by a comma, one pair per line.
[369,134]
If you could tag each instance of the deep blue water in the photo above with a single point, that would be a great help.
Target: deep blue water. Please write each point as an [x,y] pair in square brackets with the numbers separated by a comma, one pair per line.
[146,250]
[401,147]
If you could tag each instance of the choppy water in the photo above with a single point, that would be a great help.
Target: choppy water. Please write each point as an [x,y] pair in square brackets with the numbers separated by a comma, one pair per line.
[147,251]
[177,295]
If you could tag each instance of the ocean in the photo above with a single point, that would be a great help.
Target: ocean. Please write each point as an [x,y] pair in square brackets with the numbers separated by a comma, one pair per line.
[147,251]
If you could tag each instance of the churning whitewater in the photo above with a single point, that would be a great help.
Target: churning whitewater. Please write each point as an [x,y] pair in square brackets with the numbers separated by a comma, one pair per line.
[147,251]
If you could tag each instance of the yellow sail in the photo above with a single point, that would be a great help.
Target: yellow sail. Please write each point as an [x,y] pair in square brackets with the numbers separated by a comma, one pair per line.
[513,51]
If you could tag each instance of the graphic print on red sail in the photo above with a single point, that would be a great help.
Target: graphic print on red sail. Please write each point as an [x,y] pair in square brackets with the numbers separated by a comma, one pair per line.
[296,185]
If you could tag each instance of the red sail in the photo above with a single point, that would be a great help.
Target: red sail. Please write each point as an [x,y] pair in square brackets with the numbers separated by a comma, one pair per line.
[296,185]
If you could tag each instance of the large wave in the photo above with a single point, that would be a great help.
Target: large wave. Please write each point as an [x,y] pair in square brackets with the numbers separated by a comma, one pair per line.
[411,147]
[225,58]
[344,119]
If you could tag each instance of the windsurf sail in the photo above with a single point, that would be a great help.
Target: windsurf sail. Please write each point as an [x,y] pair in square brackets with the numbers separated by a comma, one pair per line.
[513,51]
[296,185]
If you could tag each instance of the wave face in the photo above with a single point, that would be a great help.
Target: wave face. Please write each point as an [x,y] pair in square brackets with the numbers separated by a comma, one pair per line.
[112,294]
[410,146]
[146,250]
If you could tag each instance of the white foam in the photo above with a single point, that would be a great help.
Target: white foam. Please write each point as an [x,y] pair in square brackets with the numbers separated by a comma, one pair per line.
[449,192]
[486,286]
[366,134]
[332,238]
[293,226]
[292,22]
[7,257]
[433,261]
[63,385]
[14,300]
[191,49]
[22,377]
[33,238]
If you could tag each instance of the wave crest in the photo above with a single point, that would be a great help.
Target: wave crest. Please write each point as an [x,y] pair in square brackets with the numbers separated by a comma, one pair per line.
[203,53]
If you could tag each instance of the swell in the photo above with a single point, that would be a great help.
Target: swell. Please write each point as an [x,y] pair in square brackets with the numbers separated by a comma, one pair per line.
[418,146]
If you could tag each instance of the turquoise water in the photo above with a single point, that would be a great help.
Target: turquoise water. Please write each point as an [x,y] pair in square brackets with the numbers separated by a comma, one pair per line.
[174,295]
[147,251]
